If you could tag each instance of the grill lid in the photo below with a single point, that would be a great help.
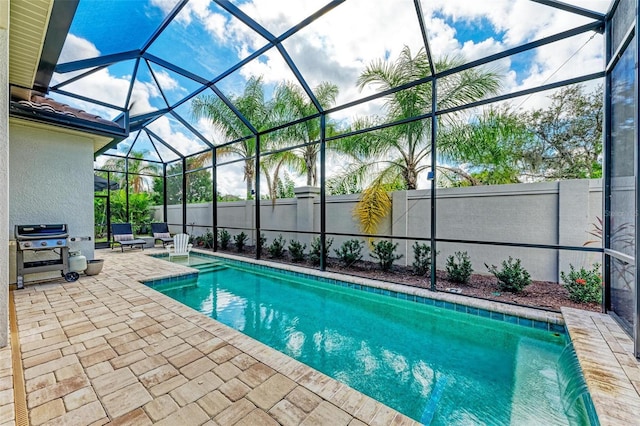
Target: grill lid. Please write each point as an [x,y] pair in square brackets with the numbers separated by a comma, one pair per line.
[34,232]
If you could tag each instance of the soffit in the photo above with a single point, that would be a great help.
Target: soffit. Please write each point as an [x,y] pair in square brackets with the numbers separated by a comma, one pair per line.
[98,141]
[29,20]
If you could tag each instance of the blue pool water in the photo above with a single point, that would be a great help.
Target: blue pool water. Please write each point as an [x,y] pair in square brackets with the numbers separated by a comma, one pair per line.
[435,365]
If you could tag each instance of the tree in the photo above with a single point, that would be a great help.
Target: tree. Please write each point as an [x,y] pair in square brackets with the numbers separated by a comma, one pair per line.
[562,141]
[486,150]
[253,107]
[271,166]
[199,186]
[400,153]
[139,208]
[137,168]
[567,136]
[285,187]
[292,103]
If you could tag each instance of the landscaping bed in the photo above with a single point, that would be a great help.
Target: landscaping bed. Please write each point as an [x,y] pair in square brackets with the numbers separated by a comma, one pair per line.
[539,294]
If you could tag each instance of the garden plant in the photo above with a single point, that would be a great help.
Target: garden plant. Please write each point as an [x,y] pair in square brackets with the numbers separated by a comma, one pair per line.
[384,251]
[584,285]
[225,239]
[276,248]
[296,250]
[315,251]
[459,267]
[350,252]
[422,259]
[512,277]
[240,240]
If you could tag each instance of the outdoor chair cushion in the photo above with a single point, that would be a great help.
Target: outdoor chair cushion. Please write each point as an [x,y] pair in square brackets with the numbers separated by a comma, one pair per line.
[162,235]
[123,237]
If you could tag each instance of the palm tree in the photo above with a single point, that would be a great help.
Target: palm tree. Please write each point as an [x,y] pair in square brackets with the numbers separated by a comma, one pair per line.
[252,105]
[137,168]
[272,165]
[292,103]
[399,154]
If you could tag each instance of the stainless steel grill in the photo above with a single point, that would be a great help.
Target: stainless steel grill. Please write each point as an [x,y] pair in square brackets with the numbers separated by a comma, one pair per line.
[32,239]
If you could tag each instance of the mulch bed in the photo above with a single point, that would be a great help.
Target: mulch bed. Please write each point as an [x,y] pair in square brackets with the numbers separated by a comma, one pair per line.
[539,294]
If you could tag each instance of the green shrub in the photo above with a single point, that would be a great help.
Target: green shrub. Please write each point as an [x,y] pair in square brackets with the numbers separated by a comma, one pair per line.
[314,253]
[512,277]
[207,239]
[459,267]
[422,259]
[263,242]
[584,286]
[350,252]
[296,250]
[240,240]
[384,251]
[276,249]
[225,238]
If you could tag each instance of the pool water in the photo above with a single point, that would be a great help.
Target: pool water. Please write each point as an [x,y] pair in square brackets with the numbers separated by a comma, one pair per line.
[435,365]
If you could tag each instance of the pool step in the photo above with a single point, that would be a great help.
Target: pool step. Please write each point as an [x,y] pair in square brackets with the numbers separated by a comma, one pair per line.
[177,285]
[211,267]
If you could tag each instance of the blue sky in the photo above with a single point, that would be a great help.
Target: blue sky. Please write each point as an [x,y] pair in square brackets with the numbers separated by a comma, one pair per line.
[206,40]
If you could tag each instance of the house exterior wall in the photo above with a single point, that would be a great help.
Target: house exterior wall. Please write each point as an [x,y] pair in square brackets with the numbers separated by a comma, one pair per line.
[51,182]
[4,172]
[546,213]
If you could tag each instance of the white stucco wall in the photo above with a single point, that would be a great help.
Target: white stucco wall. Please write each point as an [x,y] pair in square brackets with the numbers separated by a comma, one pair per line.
[51,182]
[548,213]
[4,172]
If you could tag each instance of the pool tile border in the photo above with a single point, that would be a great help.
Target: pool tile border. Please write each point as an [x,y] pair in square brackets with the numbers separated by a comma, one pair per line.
[526,317]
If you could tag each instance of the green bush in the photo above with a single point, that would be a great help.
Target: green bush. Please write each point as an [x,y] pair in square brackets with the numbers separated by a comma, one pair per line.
[584,286]
[422,259]
[459,267]
[240,240]
[384,251]
[263,242]
[205,240]
[139,209]
[314,253]
[512,277]
[225,239]
[296,250]
[276,249]
[350,252]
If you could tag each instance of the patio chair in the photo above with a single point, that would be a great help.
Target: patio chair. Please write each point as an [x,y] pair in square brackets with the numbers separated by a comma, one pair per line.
[122,235]
[160,231]
[180,246]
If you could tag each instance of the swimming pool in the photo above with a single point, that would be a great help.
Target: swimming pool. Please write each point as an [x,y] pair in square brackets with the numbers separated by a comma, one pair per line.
[433,364]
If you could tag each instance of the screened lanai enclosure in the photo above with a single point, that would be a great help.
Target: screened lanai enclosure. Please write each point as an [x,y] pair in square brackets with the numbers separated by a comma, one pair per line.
[497,128]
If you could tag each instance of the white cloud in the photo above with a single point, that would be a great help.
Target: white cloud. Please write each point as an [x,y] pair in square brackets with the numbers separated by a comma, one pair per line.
[76,48]
[166,82]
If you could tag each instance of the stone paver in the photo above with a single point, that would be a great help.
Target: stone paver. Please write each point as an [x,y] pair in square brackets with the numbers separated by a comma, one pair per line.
[108,349]
[126,399]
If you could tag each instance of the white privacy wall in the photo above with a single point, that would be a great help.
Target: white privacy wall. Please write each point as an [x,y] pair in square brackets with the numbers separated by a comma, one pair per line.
[51,179]
[547,213]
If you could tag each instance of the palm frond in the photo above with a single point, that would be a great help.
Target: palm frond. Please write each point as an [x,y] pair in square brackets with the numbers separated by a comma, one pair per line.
[374,205]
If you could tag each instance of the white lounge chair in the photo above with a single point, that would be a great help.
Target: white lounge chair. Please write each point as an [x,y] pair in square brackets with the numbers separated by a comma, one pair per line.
[180,246]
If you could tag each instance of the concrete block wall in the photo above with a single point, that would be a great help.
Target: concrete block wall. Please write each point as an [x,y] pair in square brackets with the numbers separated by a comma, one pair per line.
[550,213]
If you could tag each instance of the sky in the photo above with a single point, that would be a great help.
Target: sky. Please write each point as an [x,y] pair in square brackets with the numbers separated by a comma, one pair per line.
[207,41]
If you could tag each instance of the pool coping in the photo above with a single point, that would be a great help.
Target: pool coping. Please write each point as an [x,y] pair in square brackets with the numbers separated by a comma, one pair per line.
[611,371]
